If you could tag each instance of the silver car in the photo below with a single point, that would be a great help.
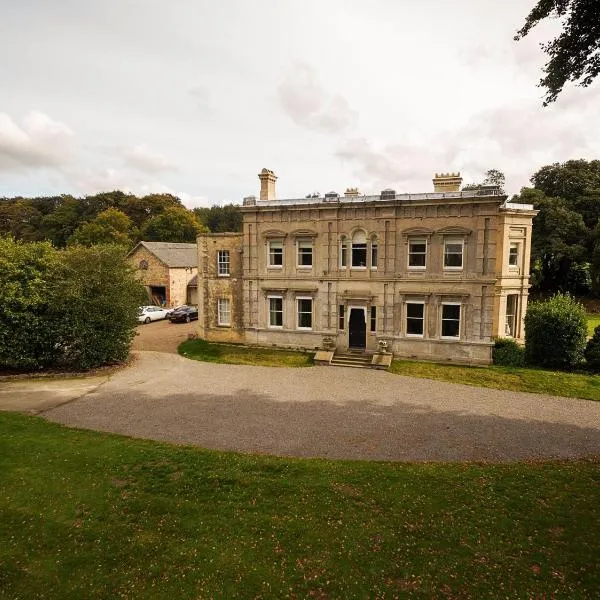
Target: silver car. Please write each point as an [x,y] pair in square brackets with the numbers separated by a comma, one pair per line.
[151,313]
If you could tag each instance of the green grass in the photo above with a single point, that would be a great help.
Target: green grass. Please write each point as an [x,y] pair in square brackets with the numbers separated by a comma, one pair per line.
[518,379]
[90,515]
[235,354]
[593,320]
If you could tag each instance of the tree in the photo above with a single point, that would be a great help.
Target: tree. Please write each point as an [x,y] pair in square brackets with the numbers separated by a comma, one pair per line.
[575,54]
[173,225]
[110,227]
[492,177]
[20,219]
[221,219]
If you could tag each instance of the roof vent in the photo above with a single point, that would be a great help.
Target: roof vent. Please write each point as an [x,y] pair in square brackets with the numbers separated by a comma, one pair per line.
[388,194]
[331,196]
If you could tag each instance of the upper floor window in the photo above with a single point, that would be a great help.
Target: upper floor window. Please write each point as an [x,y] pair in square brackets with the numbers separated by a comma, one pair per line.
[143,264]
[343,253]
[374,253]
[417,254]
[359,250]
[305,253]
[223,263]
[513,255]
[304,313]
[453,253]
[275,258]
[451,320]
[224,312]
[275,311]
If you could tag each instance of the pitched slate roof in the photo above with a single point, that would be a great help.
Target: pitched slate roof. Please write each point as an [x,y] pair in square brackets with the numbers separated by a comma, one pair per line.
[173,254]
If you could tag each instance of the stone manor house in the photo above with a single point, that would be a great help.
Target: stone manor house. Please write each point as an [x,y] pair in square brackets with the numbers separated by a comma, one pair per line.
[434,275]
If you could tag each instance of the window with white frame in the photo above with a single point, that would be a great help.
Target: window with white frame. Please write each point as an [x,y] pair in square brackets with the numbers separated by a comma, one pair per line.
[275,311]
[451,320]
[513,255]
[453,253]
[275,258]
[417,253]
[224,312]
[415,319]
[374,253]
[223,263]
[343,253]
[305,254]
[359,251]
[304,308]
[512,301]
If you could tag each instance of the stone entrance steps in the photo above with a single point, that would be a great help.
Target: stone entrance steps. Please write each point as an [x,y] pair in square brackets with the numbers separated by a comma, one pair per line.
[359,360]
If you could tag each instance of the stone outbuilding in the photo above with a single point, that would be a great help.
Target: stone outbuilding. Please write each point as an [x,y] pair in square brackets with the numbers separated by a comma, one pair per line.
[435,275]
[167,270]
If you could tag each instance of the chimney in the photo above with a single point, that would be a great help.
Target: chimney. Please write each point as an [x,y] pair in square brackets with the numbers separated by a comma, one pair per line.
[351,193]
[447,182]
[267,184]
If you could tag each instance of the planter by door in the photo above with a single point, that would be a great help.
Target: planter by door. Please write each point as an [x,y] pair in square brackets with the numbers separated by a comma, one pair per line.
[357,329]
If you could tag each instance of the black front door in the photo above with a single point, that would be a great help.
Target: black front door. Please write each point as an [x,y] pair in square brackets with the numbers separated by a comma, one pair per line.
[357,328]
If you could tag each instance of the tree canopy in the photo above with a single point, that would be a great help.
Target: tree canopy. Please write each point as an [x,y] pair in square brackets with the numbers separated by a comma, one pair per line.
[173,225]
[575,54]
[111,226]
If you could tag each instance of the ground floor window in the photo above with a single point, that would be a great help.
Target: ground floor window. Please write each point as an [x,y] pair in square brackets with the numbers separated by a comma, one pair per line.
[341,317]
[224,312]
[373,319]
[451,320]
[275,311]
[511,315]
[415,318]
[304,313]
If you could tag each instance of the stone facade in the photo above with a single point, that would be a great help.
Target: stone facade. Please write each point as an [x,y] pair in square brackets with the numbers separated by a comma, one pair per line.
[436,276]
[164,279]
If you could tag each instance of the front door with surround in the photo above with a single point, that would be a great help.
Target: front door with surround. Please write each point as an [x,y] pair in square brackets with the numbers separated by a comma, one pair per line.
[357,328]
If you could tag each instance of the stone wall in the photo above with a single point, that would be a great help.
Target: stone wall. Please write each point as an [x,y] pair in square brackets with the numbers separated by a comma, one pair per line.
[157,273]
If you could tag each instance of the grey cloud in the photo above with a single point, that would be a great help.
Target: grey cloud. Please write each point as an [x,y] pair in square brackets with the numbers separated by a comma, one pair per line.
[143,159]
[308,104]
[39,142]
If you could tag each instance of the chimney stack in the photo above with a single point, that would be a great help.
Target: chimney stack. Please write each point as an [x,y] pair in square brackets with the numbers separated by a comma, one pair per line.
[447,182]
[267,184]
[351,193]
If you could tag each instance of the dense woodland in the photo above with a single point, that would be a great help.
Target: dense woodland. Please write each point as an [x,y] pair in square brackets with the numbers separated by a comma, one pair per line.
[566,232]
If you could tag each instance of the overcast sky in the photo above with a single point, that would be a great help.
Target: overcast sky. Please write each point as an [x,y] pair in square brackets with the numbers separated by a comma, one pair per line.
[195,97]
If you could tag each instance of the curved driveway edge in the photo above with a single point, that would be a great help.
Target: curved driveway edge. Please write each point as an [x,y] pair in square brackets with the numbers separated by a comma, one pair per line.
[331,412]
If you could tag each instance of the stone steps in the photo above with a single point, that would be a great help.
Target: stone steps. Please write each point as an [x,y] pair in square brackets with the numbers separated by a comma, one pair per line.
[357,360]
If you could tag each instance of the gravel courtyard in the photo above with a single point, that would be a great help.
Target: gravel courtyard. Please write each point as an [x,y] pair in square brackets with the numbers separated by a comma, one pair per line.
[330,412]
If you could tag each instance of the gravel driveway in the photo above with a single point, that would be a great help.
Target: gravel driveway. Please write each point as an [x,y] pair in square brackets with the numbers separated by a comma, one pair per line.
[331,412]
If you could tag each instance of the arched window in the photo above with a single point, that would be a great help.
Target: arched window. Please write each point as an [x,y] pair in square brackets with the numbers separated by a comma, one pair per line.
[144,265]
[359,250]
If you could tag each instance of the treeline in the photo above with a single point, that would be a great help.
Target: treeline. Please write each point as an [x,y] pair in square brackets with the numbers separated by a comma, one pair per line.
[565,253]
[111,218]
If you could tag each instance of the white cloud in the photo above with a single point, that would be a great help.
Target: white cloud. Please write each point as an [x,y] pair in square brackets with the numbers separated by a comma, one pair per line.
[143,159]
[39,142]
[308,104]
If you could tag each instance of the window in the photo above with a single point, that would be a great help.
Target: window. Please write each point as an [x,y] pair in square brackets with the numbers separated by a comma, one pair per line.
[304,313]
[343,253]
[511,315]
[341,323]
[223,263]
[373,318]
[513,255]
[305,253]
[275,254]
[415,318]
[374,253]
[453,254]
[144,265]
[224,312]
[417,254]
[451,320]
[275,311]
[359,250]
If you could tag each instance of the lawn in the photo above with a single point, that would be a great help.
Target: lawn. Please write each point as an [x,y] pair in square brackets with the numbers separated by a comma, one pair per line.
[237,354]
[90,515]
[593,320]
[537,381]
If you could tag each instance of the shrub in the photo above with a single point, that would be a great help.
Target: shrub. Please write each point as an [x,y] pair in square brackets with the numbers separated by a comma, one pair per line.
[592,350]
[555,332]
[74,308]
[508,353]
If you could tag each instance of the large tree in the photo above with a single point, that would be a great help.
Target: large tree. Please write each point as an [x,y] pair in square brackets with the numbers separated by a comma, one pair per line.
[111,226]
[173,225]
[575,54]
[221,219]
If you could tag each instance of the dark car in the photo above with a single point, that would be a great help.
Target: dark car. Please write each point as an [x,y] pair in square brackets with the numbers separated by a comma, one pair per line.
[183,314]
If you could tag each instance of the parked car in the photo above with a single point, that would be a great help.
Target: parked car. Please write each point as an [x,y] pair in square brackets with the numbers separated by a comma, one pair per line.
[151,313]
[183,314]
